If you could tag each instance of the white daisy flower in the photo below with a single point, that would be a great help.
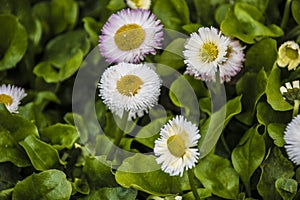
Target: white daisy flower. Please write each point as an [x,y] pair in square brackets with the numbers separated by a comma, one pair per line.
[204,51]
[135,4]
[289,54]
[130,35]
[11,96]
[174,148]
[292,140]
[133,88]
[234,63]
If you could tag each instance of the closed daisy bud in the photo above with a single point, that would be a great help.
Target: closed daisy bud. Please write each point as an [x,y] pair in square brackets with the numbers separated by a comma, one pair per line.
[292,140]
[174,149]
[291,92]
[11,96]
[204,52]
[133,88]
[135,4]
[130,35]
[289,55]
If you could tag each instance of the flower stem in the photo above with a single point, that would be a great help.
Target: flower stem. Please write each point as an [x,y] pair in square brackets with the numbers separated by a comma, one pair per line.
[192,183]
[296,108]
[286,13]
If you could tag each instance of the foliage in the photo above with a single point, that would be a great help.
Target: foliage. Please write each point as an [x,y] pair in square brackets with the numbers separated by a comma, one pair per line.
[52,149]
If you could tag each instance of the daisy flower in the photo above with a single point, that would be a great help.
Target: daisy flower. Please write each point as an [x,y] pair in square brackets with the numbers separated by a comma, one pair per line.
[289,54]
[133,88]
[130,35]
[11,96]
[174,147]
[234,62]
[292,140]
[135,4]
[291,92]
[204,51]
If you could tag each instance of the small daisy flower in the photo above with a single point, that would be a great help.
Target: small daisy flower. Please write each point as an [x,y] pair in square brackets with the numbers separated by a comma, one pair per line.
[234,63]
[174,147]
[289,54]
[11,96]
[291,92]
[135,4]
[292,140]
[130,35]
[204,51]
[133,88]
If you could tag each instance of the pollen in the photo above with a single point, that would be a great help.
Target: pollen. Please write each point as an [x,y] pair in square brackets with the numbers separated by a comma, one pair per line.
[209,52]
[6,99]
[129,85]
[129,36]
[176,146]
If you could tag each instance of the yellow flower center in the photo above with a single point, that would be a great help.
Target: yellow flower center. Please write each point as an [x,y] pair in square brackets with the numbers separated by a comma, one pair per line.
[176,145]
[129,85]
[137,3]
[209,52]
[291,53]
[129,36]
[6,99]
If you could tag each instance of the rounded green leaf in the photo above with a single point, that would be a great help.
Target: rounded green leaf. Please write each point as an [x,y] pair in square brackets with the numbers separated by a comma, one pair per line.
[116,193]
[60,135]
[276,131]
[296,10]
[287,188]
[51,184]
[248,155]
[42,155]
[275,166]
[217,175]
[13,41]
[172,13]
[141,172]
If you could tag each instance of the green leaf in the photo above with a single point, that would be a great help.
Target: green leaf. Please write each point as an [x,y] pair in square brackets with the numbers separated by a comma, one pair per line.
[257,54]
[248,155]
[51,184]
[274,97]
[179,90]
[115,5]
[276,131]
[60,135]
[149,133]
[117,193]
[190,28]
[266,115]
[217,175]
[6,194]
[172,13]
[221,11]
[56,16]
[203,193]
[9,175]
[81,186]
[172,55]
[246,23]
[287,188]
[13,41]
[274,167]
[98,172]
[11,150]
[93,28]
[42,155]
[212,128]
[251,95]
[141,172]
[261,5]
[295,10]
